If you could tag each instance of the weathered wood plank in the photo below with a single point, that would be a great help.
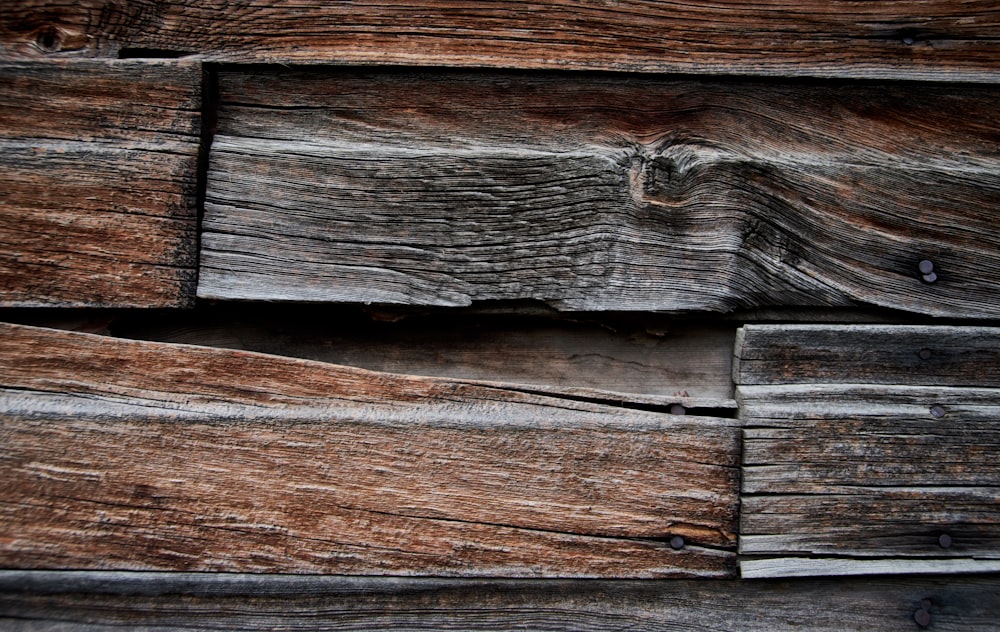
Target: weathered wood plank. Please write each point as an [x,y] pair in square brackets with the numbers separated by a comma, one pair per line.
[642,360]
[136,455]
[939,39]
[596,193]
[99,172]
[868,354]
[182,601]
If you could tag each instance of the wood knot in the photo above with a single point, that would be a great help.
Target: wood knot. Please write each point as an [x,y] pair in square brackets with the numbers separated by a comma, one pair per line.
[54,39]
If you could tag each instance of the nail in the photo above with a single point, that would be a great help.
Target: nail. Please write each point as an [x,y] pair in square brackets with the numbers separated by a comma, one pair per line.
[922,617]
[938,411]
[944,541]
[925,354]
[677,543]
[926,266]
[908,41]
[930,278]
[677,409]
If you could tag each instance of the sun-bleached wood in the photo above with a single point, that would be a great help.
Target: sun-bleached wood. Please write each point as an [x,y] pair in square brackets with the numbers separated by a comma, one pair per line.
[601,193]
[98,168]
[97,601]
[136,455]
[855,477]
[944,40]
[869,354]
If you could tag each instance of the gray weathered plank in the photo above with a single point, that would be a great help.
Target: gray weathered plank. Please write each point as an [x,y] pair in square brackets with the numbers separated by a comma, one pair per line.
[95,601]
[868,354]
[947,40]
[98,165]
[597,193]
[644,360]
[137,455]
[855,477]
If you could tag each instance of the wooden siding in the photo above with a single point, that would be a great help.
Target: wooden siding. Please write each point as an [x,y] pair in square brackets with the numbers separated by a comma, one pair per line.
[601,193]
[839,469]
[937,39]
[99,180]
[107,465]
[184,601]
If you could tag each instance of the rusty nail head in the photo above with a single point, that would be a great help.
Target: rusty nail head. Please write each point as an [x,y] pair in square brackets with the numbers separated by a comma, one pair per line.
[944,541]
[677,543]
[677,409]
[926,266]
[922,617]
[925,354]
[937,410]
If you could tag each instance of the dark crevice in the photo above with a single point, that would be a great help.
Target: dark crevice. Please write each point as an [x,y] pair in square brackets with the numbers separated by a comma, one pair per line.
[151,53]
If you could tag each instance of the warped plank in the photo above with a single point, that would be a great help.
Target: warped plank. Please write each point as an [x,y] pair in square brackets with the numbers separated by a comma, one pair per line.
[645,360]
[99,172]
[940,39]
[868,354]
[95,601]
[601,193]
[148,456]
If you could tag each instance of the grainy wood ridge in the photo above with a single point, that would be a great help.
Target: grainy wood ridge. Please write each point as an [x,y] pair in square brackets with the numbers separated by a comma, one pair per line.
[183,601]
[137,455]
[880,478]
[98,165]
[936,39]
[601,193]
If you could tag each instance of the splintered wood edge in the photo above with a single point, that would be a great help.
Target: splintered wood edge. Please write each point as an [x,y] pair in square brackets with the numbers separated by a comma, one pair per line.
[817,567]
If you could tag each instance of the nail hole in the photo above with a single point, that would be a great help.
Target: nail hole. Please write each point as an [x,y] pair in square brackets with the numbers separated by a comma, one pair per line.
[48,40]
[944,541]
[937,410]
[677,543]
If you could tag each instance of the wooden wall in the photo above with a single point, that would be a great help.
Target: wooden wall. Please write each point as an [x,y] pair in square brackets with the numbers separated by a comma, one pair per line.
[567,315]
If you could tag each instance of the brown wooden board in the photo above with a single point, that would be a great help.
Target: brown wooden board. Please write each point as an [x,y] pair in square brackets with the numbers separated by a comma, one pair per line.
[649,360]
[940,39]
[852,477]
[602,193]
[95,601]
[98,168]
[136,455]
[868,354]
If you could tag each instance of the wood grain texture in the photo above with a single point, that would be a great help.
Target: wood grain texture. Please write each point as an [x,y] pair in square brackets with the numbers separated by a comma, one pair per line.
[868,354]
[601,193]
[183,601]
[847,471]
[99,165]
[135,455]
[645,360]
[939,39]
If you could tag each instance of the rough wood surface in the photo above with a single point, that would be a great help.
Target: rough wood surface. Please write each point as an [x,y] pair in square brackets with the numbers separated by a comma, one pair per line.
[648,360]
[135,455]
[184,601]
[98,168]
[939,39]
[601,193]
[906,476]
[868,354]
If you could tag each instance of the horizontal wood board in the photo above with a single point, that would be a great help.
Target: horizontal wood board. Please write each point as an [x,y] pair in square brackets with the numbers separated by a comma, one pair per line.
[648,360]
[148,456]
[183,601]
[601,193]
[938,39]
[853,477]
[99,169]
